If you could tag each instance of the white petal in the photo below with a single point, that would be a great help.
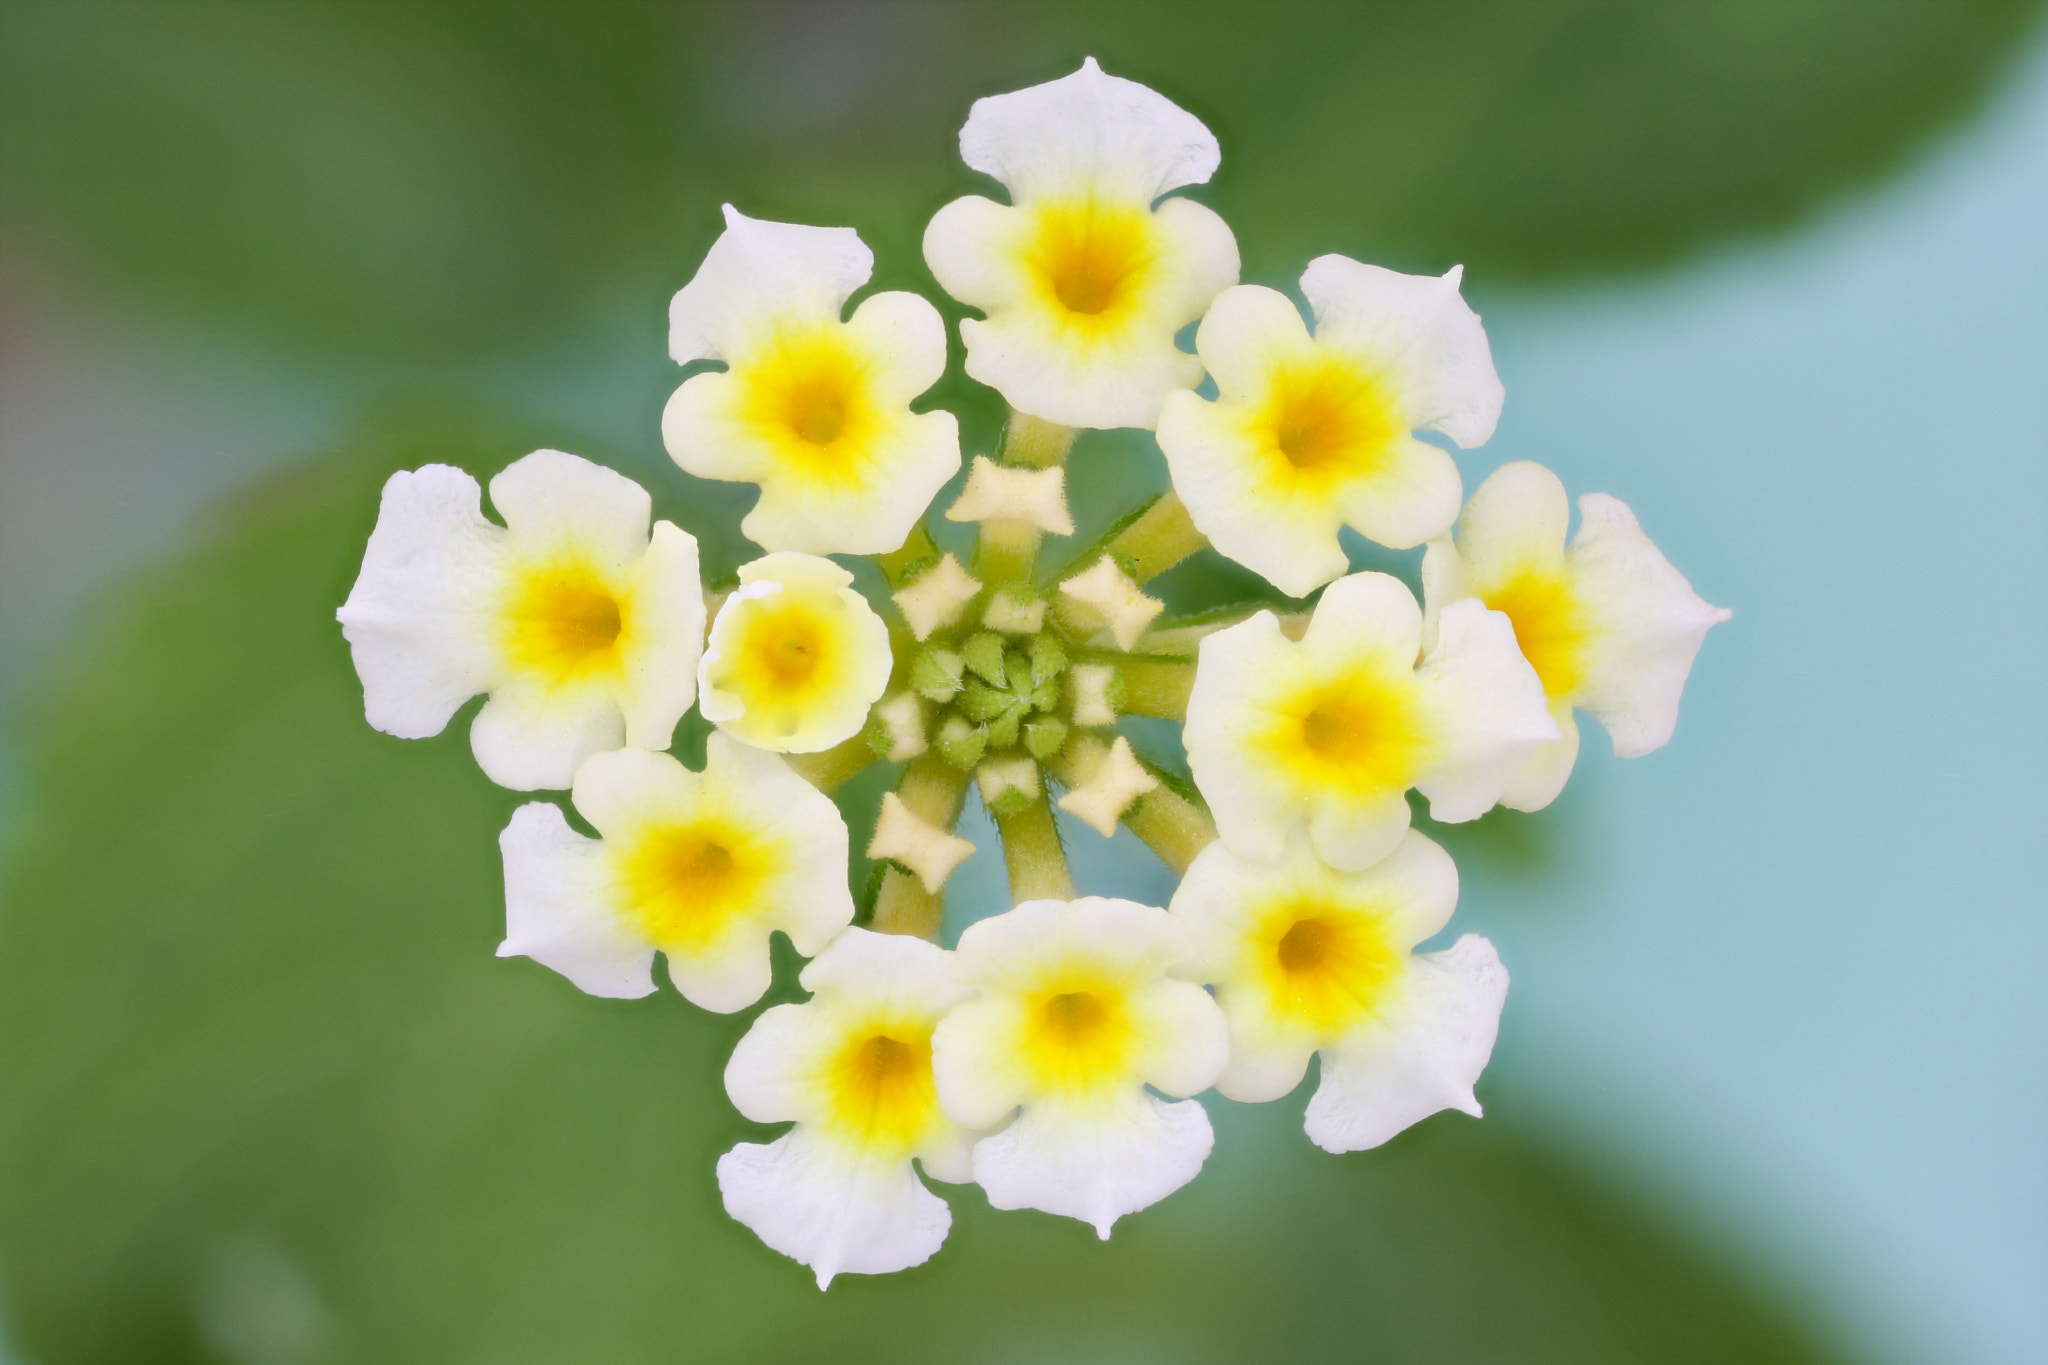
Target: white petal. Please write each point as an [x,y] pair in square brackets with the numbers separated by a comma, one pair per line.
[557,910]
[1413,499]
[552,499]
[1515,521]
[418,618]
[1252,808]
[968,245]
[1489,706]
[1651,625]
[1544,772]
[1008,950]
[807,1200]
[1424,1056]
[667,637]
[1096,1165]
[905,339]
[863,967]
[530,738]
[1420,326]
[974,1062]
[759,272]
[768,1076]
[1187,1041]
[1090,129]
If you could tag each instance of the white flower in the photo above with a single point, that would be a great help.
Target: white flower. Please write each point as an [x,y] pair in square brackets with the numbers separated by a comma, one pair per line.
[1332,731]
[796,656]
[1107,792]
[1305,958]
[702,866]
[813,409]
[583,627]
[1084,282]
[1077,1016]
[935,598]
[853,1068]
[1312,433]
[1112,597]
[1610,627]
[1031,498]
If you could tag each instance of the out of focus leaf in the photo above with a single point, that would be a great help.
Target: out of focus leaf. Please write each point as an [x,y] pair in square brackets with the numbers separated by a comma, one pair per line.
[267,1096]
[440,179]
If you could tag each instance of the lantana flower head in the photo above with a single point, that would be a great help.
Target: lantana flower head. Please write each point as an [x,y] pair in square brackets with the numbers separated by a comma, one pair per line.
[1610,627]
[1077,1016]
[1083,280]
[853,1068]
[582,625]
[700,866]
[813,408]
[1308,959]
[1331,732]
[796,656]
[1311,433]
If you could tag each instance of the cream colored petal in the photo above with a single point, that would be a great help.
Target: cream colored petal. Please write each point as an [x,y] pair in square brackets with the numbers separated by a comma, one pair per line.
[805,1198]
[1413,499]
[1544,772]
[529,737]
[622,790]
[1650,625]
[863,968]
[904,339]
[726,976]
[1204,257]
[870,519]
[1232,676]
[1008,951]
[904,836]
[1267,1057]
[418,620]
[1098,1164]
[1489,708]
[975,1061]
[1118,780]
[557,908]
[769,1075]
[849,674]
[706,437]
[759,271]
[1186,1041]
[970,245]
[1290,542]
[551,500]
[812,903]
[1419,326]
[935,599]
[1016,353]
[1247,331]
[1367,613]
[1423,1056]
[1029,497]
[1091,129]
[1353,835]
[1516,520]
[664,640]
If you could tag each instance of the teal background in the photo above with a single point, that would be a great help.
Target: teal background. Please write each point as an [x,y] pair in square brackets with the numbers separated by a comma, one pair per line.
[1770,1083]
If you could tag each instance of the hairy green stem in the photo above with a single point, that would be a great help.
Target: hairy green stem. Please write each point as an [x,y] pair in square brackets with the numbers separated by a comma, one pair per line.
[934,790]
[1034,856]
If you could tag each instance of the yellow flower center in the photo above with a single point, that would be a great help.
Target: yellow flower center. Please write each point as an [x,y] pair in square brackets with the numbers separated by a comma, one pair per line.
[563,624]
[1079,1040]
[805,391]
[880,1088]
[1092,260]
[1326,966]
[688,882]
[788,660]
[1549,627]
[1326,421]
[1355,730]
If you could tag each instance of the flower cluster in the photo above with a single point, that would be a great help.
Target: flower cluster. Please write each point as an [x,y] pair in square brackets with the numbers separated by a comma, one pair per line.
[1053,1055]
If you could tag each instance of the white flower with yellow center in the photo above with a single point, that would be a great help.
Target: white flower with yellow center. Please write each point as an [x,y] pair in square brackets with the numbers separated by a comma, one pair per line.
[1311,433]
[1330,733]
[702,867]
[853,1068]
[796,656]
[1084,282]
[1076,1018]
[1308,959]
[582,625]
[814,409]
[1610,627]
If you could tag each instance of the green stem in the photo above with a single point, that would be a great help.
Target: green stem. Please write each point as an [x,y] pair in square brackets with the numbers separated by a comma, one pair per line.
[1032,441]
[1160,538]
[917,547]
[1032,851]
[1165,821]
[1004,553]
[832,768]
[1156,685]
[934,790]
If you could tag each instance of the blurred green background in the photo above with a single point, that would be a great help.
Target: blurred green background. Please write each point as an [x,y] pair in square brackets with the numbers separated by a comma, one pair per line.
[1770,1083]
